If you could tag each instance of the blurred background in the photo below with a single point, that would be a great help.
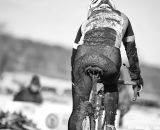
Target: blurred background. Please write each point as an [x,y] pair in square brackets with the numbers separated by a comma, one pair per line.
[36,38]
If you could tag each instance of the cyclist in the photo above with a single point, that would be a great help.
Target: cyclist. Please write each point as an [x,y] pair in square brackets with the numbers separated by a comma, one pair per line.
[98,43]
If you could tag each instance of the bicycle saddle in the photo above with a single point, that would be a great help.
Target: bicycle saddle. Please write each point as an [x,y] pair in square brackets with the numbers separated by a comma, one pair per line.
[93,71]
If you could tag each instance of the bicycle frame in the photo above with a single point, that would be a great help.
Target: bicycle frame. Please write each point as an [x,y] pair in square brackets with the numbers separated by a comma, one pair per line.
[96,120]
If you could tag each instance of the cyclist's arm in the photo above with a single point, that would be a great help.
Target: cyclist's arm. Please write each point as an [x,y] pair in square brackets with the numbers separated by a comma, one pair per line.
[131,51]
[75,45]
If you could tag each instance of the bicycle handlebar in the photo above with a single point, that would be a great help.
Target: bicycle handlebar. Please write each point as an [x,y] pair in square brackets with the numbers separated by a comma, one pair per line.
[122,82]
[136,89]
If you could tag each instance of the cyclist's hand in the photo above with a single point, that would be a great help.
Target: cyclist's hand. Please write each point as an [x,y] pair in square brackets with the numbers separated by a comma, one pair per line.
[137,88]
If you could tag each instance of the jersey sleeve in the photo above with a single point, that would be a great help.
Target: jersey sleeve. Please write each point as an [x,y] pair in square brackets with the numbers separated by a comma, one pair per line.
[129,34]
[131,51]
[77,39]
[75,45]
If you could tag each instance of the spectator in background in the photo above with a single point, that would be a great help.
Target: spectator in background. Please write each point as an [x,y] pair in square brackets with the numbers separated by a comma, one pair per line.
[31,93]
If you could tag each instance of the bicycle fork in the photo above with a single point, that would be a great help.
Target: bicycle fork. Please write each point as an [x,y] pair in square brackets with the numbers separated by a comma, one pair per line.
[96,122]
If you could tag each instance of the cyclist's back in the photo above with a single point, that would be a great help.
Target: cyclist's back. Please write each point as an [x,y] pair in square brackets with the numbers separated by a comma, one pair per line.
[101,39]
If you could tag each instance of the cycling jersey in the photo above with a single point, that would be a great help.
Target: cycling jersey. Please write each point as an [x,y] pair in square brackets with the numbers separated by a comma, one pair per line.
[116,24]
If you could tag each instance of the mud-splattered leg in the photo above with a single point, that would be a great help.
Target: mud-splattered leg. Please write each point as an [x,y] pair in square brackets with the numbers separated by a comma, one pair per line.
[81,107]
[111,105]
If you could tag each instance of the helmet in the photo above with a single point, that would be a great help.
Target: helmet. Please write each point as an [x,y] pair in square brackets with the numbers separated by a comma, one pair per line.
[97,3]
[94,3]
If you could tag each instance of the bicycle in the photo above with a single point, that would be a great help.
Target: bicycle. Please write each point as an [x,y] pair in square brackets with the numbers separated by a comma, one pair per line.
[95,119]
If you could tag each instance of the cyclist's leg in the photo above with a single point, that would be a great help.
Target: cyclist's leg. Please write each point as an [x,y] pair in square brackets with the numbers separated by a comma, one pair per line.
[111,105]
[81,89]
[109,80]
